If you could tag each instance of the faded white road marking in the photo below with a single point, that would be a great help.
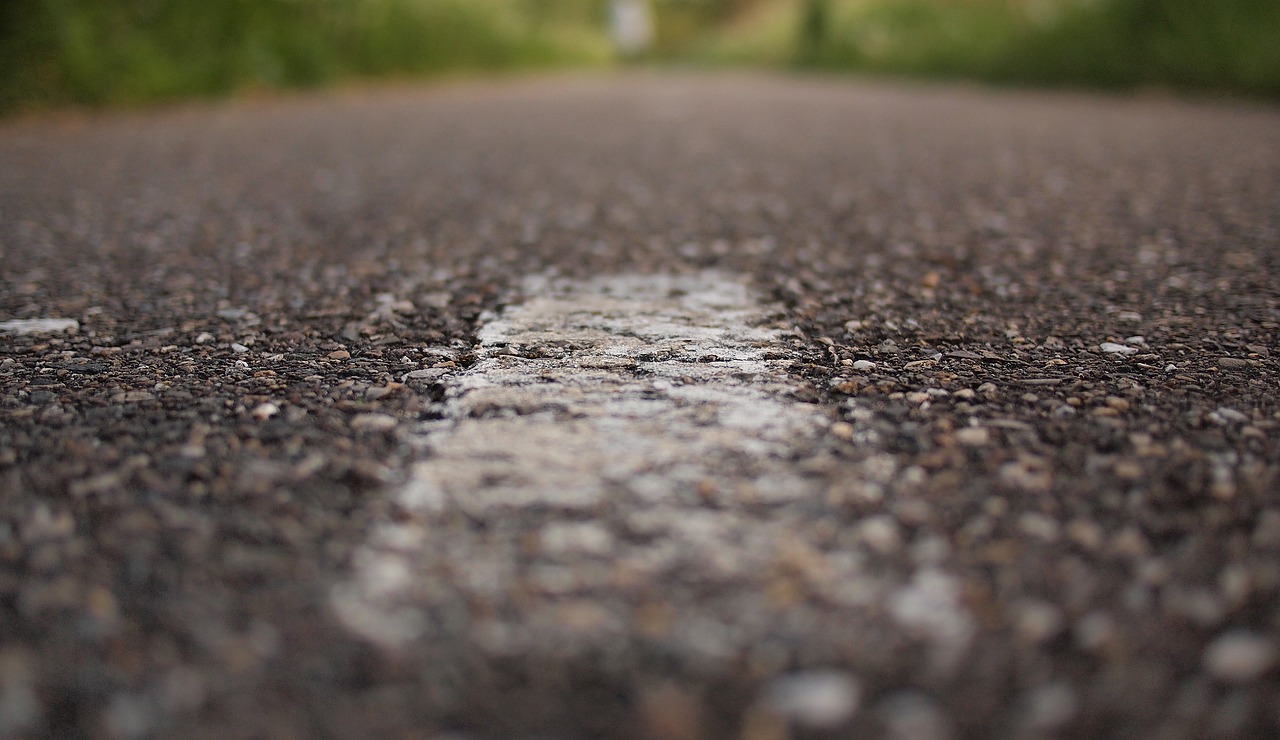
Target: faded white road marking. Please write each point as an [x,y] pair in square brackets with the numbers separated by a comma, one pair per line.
[629,385]
[617,437]
[39,326]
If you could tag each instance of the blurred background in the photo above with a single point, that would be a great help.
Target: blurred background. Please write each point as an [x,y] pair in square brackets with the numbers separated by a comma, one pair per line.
[94,52]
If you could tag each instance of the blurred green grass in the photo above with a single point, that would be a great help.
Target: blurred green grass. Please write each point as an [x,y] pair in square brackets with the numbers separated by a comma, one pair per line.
[1230,46]
[91,52]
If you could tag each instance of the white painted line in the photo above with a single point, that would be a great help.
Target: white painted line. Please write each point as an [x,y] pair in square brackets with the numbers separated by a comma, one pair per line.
[39,326]
[662,400]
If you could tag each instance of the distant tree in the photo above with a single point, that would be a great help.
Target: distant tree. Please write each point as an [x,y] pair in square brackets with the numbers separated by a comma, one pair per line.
[814,27]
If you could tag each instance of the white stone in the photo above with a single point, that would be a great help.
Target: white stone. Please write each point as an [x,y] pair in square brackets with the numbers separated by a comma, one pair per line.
[265,411]
[820,700]
[374,422]
[1117,349]
[880,533]
[930,606]
[576,538]
[973,436]
[1240,656]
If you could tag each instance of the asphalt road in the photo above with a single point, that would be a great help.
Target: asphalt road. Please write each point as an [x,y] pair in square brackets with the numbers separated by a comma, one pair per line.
[1041,330]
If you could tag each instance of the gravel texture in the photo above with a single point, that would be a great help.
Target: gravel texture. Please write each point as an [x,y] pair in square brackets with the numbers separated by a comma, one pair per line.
[1041,328]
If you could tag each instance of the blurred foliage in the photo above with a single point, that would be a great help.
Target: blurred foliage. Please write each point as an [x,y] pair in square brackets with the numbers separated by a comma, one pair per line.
[111,51]
[683,22]
[1226,45]
[1218,44]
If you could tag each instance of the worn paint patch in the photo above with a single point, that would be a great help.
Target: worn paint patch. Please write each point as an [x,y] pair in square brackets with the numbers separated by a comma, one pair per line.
[39,326]
[626,421]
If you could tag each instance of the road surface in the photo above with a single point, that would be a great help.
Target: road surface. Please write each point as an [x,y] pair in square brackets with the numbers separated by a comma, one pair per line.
[642,407]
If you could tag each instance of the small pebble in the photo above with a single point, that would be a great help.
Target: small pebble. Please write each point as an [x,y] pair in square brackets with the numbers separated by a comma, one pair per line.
[909,715]
[1232,363]
[1085,533]
[881,534]
[1038,621]
[377,393]
[818,700]
[374,423]
[1094,631]
[129,716]
[1239,656]
[1050,707]
[1129,470]
[1117,403]
[864,365]
[20,707]
[265,411]
[587,538]
[238,348]
[1129,543]
[842,430]
[1038,525]
[670,713]
[1266,534]
[973,436]
[930,606]
[1112,348]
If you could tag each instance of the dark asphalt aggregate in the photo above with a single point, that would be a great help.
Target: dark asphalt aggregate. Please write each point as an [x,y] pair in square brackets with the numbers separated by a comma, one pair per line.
[1091,281]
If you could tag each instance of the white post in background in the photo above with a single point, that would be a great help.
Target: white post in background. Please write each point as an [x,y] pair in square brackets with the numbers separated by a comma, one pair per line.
[632,25]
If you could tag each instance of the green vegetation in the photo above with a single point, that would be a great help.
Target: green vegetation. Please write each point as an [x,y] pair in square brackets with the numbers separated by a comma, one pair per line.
[126,51]
[1230,45]
[1227,45]
[55,52]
